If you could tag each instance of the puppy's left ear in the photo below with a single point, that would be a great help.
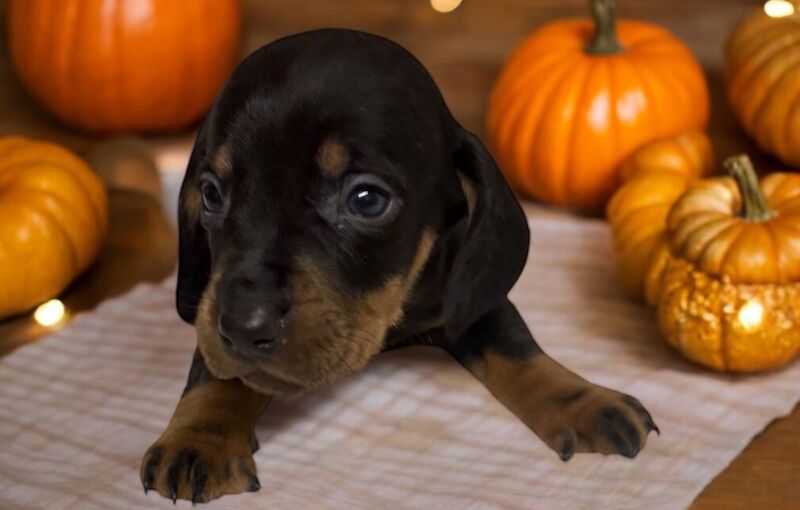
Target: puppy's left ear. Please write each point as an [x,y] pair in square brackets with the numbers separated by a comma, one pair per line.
[194,256]
[495,246]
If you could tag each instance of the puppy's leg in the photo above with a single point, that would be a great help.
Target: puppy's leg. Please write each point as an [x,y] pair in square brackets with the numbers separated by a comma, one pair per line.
[569,413]
[207,449]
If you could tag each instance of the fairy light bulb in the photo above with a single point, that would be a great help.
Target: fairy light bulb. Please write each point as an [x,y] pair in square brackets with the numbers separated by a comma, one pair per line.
[751,315]
[49,313]
[778,8]
[445,5]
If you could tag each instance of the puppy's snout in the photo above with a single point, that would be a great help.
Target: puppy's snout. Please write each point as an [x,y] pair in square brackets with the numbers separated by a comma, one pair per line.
[251,331]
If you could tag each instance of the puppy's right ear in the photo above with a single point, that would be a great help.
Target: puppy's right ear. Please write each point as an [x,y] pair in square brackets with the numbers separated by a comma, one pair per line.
[495,248]
[194,256]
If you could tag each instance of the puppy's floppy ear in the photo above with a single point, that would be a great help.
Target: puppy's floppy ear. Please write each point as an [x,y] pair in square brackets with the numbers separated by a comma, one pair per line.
[495,245]
[194,256]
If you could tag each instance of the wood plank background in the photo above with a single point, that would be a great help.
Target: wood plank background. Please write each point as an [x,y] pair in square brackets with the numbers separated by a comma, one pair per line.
[464,51]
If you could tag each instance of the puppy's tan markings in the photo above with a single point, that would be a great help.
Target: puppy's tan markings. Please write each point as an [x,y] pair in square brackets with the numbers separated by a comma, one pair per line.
[223,161]
[332,158]
[350,331]
[469,192]
[386,304]
[191,202]
[208,341]
[569,413]
[329,333]
[206,450]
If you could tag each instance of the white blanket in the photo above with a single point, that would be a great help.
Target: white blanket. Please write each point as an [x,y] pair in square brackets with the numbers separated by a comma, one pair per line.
[413,431]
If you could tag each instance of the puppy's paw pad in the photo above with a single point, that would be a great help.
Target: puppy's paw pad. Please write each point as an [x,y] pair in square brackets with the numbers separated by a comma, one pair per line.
[599,420]
[191,466]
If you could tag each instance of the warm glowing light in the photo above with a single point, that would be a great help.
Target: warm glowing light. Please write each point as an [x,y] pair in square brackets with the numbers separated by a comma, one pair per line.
[445,5]
[49,313]
[751,315]
[778,8]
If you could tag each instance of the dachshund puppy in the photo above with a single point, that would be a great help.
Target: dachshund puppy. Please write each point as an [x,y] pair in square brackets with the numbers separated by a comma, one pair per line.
[333,209]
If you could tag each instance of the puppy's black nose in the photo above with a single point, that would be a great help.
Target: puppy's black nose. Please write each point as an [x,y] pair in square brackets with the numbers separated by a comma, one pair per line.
[252,330]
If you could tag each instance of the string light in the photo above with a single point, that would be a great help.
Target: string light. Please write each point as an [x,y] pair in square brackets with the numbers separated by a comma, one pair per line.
[778,8]
[445,5]
[49,313]
[751,315]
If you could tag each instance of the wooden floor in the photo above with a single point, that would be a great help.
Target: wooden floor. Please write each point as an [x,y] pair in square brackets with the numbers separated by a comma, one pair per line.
[464,51]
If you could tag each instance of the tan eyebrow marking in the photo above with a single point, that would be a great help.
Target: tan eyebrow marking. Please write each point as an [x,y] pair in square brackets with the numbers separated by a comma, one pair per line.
[223,161]
[332,158]
[469,192]
[191,201]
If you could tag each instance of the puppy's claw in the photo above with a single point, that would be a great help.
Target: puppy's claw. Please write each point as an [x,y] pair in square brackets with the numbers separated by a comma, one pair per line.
[621,432]
[642,412]
[172,482]
[566,440]
[621,445]
[255,485]
[199,480]
[148,472]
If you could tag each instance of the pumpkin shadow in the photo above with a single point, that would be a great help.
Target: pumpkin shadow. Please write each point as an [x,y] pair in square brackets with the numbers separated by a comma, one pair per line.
[593,306]
[631,324]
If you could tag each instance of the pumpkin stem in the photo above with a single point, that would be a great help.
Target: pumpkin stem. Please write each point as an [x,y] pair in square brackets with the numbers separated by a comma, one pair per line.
[605,29]
[754,205]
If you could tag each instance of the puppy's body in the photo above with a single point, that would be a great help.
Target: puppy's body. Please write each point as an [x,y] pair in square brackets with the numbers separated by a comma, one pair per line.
[332,209]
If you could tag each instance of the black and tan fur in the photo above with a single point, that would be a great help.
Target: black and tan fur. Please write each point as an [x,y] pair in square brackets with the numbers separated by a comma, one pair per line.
[312,291]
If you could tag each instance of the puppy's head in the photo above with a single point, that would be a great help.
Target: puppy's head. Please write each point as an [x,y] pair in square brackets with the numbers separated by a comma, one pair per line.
[331,201]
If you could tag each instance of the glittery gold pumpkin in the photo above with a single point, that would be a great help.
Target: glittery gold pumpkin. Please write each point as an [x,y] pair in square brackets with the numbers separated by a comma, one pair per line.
[730,293]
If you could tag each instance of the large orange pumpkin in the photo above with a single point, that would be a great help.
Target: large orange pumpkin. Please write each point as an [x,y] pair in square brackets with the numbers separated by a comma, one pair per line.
[577,97]
[730,293]
[54,216]
[125,65]
[653,178]
[763,77]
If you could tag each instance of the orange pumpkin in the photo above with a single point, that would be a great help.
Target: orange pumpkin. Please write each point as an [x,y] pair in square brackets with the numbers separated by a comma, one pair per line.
[578,97]
[730,296]
[54,216]
[653,179]
[128,65]
[763,78]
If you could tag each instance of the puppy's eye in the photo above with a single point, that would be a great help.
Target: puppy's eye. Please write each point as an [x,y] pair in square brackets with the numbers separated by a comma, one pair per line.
[367,201]
[212,198]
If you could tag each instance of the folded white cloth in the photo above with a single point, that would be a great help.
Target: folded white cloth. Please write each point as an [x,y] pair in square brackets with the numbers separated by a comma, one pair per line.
[413,431]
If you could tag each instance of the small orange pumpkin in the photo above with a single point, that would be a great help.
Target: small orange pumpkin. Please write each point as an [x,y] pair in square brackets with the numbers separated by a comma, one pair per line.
[763,78]
[54,216]
[577,97]
[127,65]
[730,297]
[653,179]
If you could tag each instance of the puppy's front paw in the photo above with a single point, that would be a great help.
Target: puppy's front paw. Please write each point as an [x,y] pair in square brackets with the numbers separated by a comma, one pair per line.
[596,419]
[198,466]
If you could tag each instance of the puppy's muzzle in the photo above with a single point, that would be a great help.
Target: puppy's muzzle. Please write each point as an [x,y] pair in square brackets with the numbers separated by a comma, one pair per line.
[252,312]
[253,332]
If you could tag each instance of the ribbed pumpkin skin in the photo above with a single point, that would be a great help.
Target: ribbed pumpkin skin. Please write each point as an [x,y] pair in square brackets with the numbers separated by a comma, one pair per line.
[706,229]
[54,212]
[124,65]
[763,78]
[728,253]
[653,178]
[561,120]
